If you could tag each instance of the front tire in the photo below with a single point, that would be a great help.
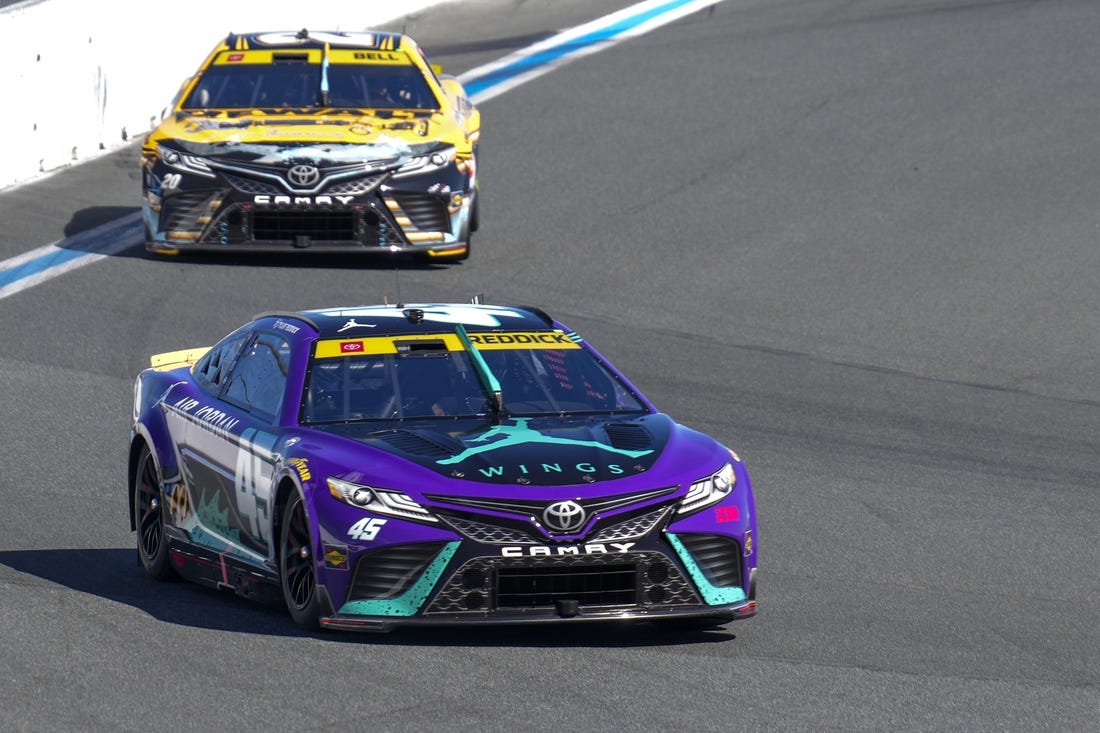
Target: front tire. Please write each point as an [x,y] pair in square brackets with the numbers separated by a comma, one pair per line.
[297,570]
[152,543]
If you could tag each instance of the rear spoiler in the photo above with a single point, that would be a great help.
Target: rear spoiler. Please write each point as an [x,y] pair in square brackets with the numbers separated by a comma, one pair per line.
[175,359]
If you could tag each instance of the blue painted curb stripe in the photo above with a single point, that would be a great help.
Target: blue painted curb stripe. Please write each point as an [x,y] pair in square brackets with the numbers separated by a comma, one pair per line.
[476,85]
[38,265]
[54,257]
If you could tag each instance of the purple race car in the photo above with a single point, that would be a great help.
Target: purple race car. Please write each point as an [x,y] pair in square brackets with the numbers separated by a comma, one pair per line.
[433,464]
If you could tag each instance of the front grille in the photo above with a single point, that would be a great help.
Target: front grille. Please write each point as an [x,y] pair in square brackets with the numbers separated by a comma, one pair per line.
[356,187]
[486,534]
[253,186]
[428,213]
[289,225]
[504,584]
[390,572]
[717,556]
[504,531]
[593,585]
[630,529]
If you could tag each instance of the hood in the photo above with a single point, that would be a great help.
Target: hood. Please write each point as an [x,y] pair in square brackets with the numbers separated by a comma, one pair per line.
[211,134]
[535,451]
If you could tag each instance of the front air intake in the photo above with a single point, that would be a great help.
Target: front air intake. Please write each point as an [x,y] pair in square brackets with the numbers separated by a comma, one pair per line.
[588,585]
[719,557]
[390,572]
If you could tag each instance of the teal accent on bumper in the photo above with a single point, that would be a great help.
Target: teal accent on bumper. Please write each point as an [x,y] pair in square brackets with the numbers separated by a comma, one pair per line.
[712,594]
[409,602]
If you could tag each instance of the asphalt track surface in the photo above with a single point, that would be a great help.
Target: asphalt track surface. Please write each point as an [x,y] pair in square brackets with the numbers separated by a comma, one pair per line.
[855,240]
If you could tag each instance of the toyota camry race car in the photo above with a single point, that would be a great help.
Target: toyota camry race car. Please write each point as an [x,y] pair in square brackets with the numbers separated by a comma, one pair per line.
[433,464]
[320,141]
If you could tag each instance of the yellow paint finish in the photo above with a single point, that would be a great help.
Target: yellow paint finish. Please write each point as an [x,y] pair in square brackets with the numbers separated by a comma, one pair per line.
[376,345]
[175,359]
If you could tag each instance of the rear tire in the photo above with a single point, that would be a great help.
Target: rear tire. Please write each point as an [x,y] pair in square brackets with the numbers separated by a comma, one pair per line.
[152,543]
[297,570]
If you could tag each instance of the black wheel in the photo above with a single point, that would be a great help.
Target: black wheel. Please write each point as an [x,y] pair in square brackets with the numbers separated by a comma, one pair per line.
[152,544]
[297,572]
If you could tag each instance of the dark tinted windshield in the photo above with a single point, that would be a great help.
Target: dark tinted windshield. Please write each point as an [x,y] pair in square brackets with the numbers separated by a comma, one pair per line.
[446,384]
[251,86]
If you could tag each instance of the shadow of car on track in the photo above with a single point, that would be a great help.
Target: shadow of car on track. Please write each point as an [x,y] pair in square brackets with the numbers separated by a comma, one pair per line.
[91,217]
[114,574]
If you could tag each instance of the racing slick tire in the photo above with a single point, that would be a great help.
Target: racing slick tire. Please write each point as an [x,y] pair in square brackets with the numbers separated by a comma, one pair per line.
[152,543]
[297,570]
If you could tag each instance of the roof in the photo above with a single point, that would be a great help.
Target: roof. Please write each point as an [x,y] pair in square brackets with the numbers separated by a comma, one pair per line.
[419,318]
[305,38]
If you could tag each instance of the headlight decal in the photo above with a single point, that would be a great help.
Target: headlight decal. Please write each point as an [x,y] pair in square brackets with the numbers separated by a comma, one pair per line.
[409,602]
[709,490]
[713,595]
[427,162]
[185,162]
[379,501]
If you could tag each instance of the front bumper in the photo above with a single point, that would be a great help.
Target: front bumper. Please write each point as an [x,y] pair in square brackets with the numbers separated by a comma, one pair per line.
[635,571]
[374,214]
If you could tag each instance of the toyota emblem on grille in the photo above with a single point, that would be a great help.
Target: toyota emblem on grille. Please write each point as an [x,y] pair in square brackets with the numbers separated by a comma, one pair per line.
[303,175]
[564,516]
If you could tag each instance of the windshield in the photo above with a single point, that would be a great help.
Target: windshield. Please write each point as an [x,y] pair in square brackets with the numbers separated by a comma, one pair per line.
[252,86]
[445,384]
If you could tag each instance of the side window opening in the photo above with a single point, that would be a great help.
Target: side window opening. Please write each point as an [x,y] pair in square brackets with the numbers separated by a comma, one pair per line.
[258,380]
[211,369]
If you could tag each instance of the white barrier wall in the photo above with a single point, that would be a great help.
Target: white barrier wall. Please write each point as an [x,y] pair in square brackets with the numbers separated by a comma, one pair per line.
[83,77]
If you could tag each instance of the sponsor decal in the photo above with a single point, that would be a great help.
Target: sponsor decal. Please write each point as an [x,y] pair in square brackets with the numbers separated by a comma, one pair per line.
[532,338]
[336,557]
[726,514]
[288,327]
[351,347]
[381,56]
[211,416]
[564,516]
[302,466]
[178,500]
[352,324]
[265,199]
[748,543]
[596,548]
[503,436]
[303,175]
[522,469]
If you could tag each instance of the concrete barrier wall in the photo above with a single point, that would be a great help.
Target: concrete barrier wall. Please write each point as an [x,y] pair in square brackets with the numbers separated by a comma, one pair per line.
[83,77]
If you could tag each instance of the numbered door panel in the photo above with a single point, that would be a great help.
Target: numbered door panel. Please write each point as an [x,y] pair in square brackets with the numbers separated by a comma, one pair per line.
[229,475]
[228,455]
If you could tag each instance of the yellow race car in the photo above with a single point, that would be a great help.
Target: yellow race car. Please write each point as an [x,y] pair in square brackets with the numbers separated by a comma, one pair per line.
[325,141]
